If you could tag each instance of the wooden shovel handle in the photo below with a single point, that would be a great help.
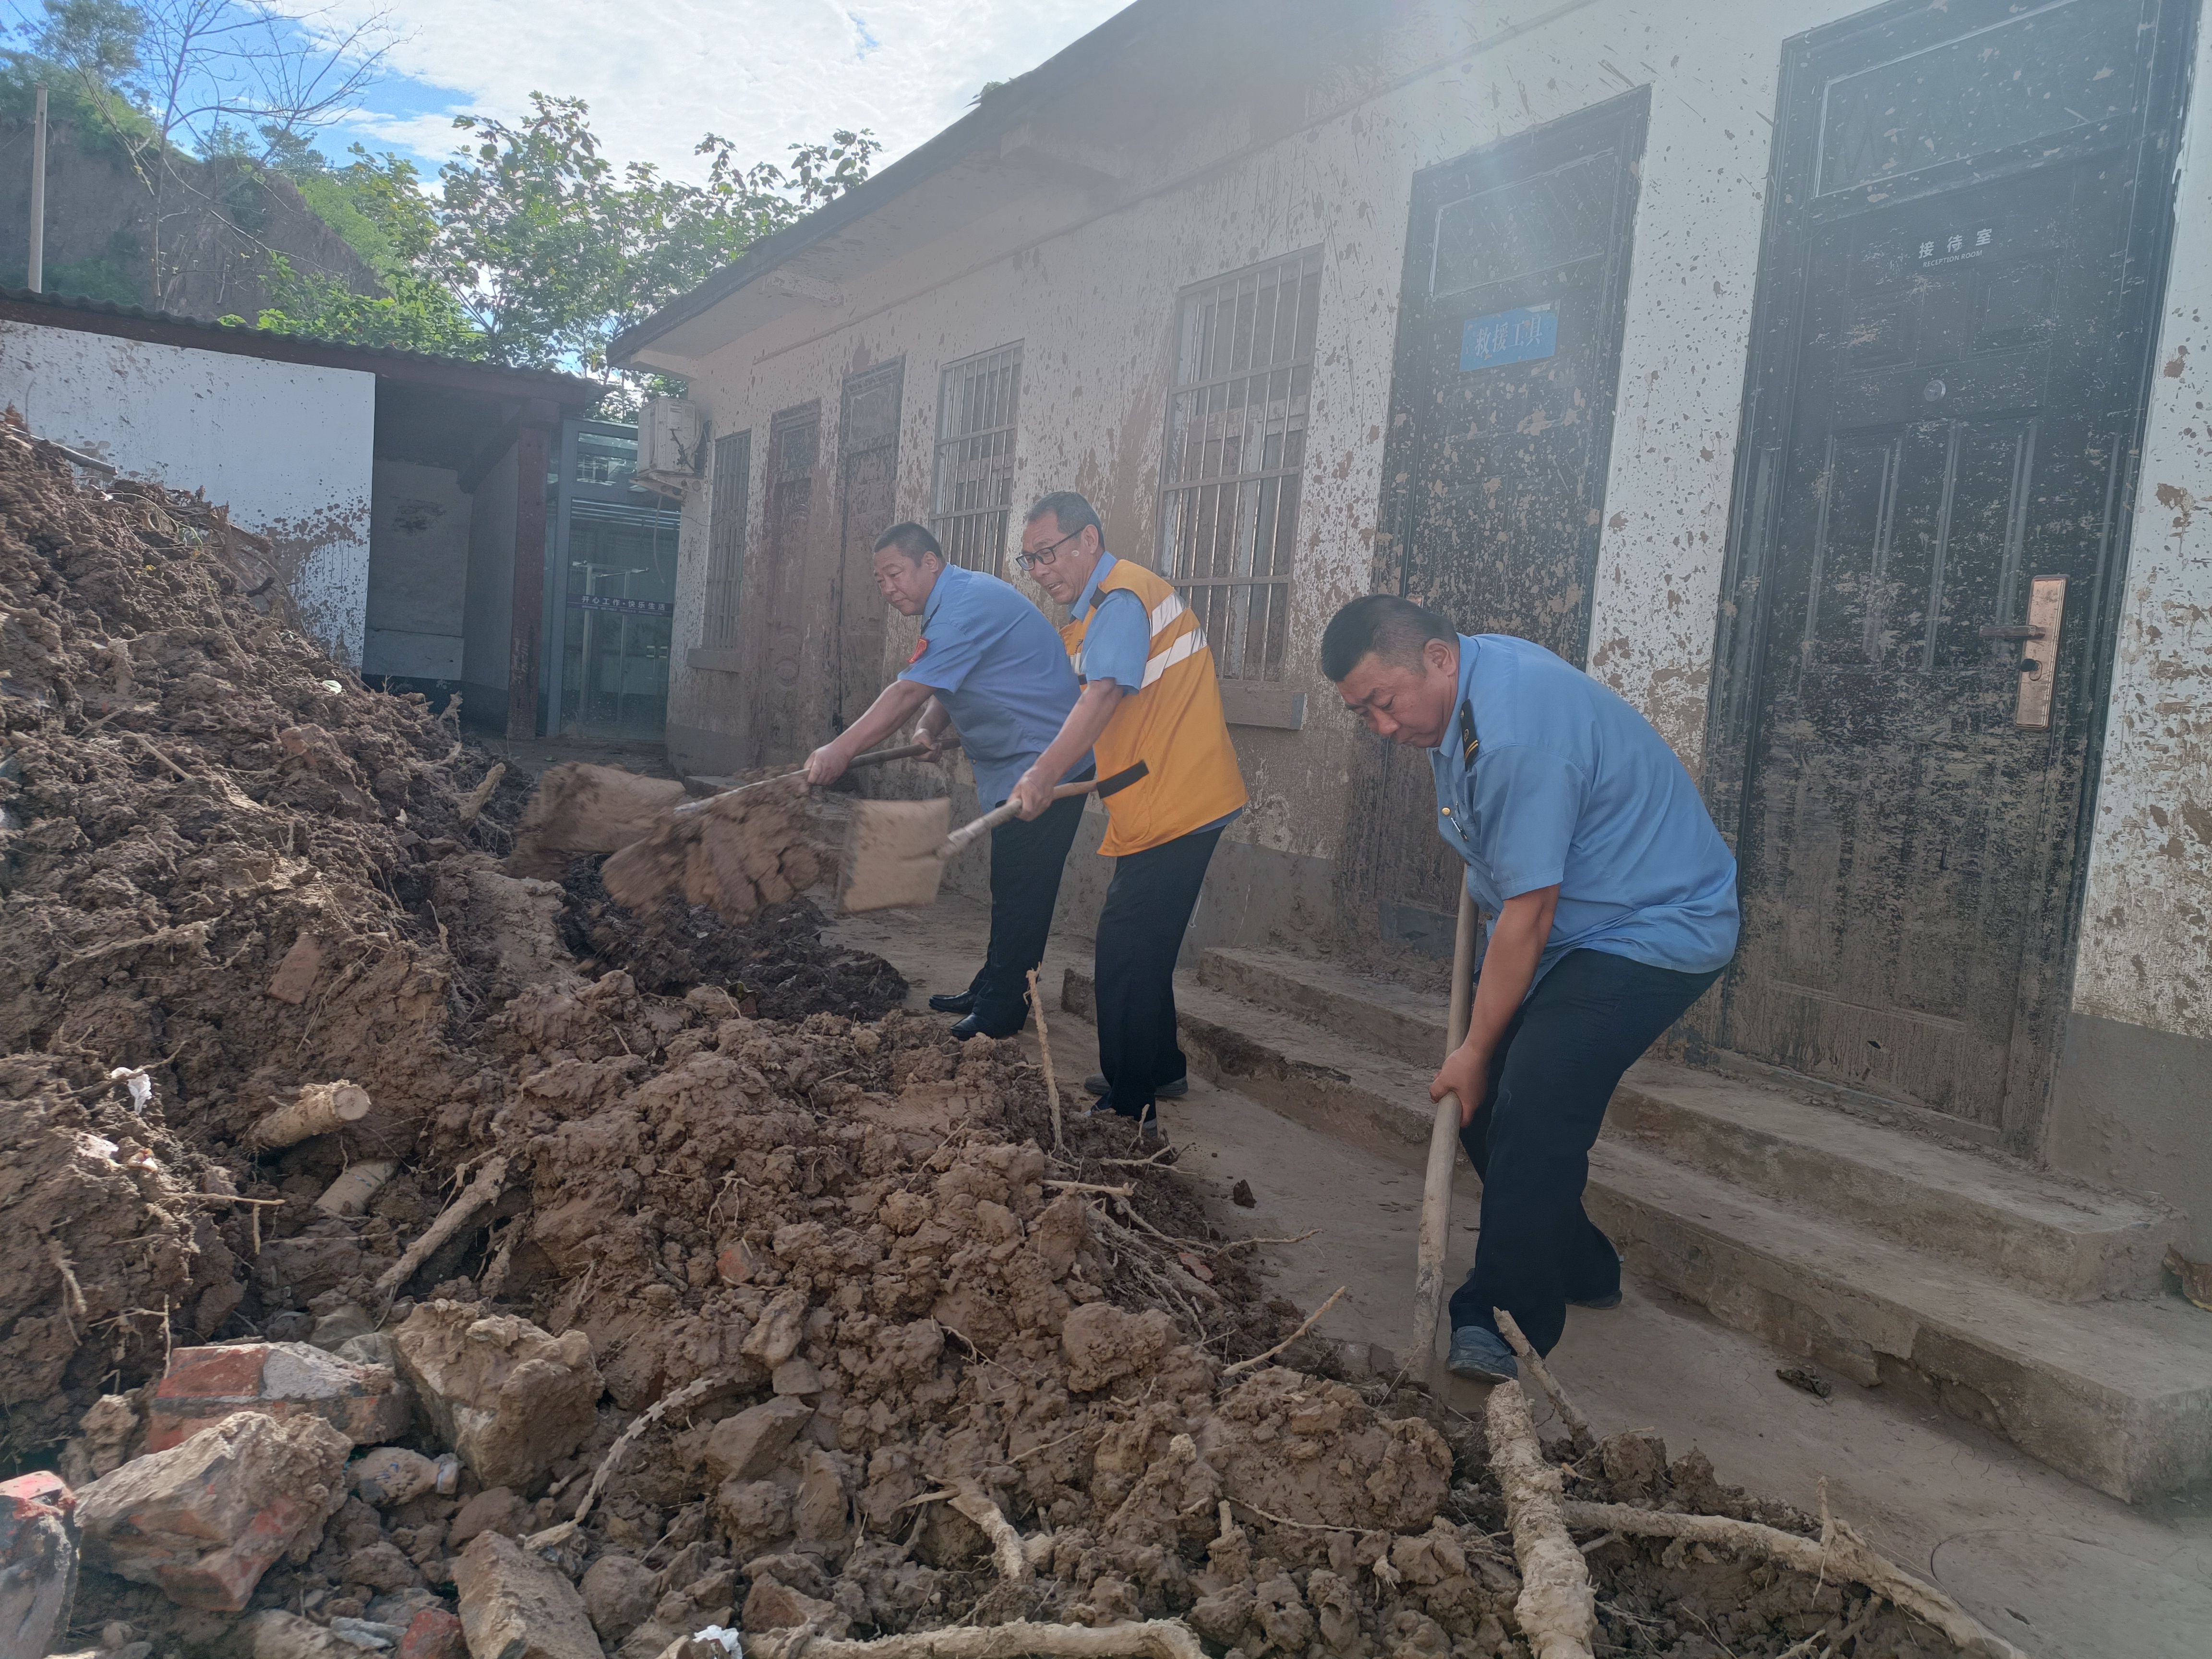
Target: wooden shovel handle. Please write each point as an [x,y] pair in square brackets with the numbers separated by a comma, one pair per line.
[967,834]
[1443,1152]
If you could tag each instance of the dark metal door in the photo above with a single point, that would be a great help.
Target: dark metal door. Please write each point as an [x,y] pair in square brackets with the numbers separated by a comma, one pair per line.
[777,631]
[867,487]
[1508,356]
[1968,361]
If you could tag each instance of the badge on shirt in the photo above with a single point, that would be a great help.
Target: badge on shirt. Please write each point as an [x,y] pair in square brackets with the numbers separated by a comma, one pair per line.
[918,650]
[1469,743]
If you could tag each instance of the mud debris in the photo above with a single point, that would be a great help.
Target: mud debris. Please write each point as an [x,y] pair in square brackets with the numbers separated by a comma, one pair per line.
[775,1312]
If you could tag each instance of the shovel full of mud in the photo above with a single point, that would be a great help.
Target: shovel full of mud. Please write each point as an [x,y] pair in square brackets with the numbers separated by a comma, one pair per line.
[736,851]
[897,850]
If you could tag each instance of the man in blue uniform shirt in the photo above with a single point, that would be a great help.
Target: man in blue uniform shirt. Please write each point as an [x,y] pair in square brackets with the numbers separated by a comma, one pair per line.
[991,666]
[1611,900]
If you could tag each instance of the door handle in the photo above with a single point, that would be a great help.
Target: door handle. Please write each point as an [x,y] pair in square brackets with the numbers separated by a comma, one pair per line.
[2038,675]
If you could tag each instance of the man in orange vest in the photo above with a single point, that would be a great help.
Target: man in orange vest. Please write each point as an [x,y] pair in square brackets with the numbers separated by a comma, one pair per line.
[1149,695]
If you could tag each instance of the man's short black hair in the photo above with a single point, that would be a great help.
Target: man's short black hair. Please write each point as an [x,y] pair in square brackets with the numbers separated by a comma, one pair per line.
[1069,512]
[912,539]
[1381,625]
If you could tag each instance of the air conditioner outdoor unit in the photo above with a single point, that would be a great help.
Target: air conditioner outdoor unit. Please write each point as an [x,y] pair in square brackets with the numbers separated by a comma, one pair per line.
[671,440]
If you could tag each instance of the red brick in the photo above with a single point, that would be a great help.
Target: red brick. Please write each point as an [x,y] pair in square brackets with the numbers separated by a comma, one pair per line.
[365,1403]
[433,1633]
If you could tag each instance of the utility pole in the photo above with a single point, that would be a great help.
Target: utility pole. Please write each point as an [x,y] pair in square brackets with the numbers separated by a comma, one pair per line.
[35,269]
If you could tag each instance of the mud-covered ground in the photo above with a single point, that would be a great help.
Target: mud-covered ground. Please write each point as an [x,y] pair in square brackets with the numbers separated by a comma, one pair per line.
[776,962]
[228,870]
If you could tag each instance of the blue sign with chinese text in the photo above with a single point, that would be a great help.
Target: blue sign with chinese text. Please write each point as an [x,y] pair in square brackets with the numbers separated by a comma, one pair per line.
[1509,337]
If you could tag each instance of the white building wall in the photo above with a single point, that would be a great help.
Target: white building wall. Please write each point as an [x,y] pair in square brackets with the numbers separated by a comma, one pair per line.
[1095,307]
[285,447]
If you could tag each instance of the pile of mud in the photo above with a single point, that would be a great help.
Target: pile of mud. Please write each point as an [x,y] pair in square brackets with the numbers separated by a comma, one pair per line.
[775,962]
[844,1251]
[228,870]
[734,1296]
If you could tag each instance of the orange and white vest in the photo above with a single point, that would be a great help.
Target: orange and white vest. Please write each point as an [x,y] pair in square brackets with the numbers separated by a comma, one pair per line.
[1173,723]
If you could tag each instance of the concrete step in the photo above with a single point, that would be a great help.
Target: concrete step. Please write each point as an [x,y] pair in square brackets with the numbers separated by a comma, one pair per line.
[2037,1232]
[2116,1394]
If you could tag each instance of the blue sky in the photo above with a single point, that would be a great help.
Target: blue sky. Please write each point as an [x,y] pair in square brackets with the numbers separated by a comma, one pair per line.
[659,74]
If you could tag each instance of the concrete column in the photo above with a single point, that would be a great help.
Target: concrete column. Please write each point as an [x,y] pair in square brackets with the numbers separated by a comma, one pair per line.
[534,444]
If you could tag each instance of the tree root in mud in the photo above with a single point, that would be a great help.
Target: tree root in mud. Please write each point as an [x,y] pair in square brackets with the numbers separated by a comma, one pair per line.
[1156,1639]
[1841,1553]
[1557,1608]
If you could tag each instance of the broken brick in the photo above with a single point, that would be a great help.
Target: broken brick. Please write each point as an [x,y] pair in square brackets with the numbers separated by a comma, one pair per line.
[365,1403]
[203,1520]
[38,1561]
[516,1607]
[295,976]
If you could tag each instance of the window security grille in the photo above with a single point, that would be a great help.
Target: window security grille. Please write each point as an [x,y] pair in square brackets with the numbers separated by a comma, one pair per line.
[1235,452]
[726,540]
[977,400]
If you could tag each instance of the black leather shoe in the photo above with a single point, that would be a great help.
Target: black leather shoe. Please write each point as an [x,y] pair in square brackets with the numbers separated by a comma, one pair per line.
[954,1002]
[1098,1084]
[973,1027]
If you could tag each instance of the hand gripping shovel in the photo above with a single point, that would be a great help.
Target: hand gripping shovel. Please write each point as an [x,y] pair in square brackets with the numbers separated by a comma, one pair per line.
[898,850]
[874,758]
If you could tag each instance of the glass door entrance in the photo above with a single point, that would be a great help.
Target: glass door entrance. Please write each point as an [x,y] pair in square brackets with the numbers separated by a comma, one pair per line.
[614,555]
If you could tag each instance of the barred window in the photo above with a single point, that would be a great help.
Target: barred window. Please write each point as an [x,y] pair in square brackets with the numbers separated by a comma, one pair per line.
[1234,454]
[726,540]
[977,400]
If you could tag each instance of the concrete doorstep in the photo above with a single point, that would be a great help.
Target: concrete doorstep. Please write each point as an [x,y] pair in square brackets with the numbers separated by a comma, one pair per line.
[2019,1303]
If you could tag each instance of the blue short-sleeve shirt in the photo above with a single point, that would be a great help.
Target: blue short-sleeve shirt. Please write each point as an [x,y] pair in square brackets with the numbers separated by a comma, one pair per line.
[1001,672]
[1547,776]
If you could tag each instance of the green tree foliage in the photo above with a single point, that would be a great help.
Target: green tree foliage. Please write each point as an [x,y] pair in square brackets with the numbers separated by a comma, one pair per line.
[168,83]
[553,250]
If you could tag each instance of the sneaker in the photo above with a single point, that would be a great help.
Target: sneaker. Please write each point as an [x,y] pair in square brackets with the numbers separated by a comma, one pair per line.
[1098,1084]
[1481,1356]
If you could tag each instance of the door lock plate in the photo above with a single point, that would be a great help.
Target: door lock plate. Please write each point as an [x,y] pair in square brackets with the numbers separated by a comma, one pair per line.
[2046,609]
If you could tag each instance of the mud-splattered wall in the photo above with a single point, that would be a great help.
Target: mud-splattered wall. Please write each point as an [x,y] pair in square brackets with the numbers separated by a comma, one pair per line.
[284,446]
[2133,1102]
[1094,303]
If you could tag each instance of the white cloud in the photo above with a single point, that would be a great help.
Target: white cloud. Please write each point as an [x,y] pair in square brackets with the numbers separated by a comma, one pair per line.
[660,74]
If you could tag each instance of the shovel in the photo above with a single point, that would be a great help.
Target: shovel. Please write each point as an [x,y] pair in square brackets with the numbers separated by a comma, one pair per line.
[874,758]
[1443,1149]
[898,851]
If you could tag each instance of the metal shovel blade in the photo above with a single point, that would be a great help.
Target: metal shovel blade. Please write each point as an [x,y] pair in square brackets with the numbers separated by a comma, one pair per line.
[892,854]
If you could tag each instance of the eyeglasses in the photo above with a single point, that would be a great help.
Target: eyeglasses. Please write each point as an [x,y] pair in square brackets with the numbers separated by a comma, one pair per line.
[1044,554]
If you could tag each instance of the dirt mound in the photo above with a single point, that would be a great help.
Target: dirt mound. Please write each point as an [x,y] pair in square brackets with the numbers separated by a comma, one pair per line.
[769,1305]
[230,870]
[776,961]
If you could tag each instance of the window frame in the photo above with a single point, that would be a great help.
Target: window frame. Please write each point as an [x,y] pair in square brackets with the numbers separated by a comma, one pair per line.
[974,536]
[1220,443]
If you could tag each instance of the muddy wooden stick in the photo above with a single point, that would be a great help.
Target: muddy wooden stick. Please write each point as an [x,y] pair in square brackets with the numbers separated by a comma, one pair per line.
[1842,1554]
[1158,1638]
[319,1108]
[1443,1149]
[1557,1608]
[479,1195]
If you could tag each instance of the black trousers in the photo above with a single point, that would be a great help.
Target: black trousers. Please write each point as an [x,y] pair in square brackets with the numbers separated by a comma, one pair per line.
[1026,861]
[1587,1022]
[1148,905]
